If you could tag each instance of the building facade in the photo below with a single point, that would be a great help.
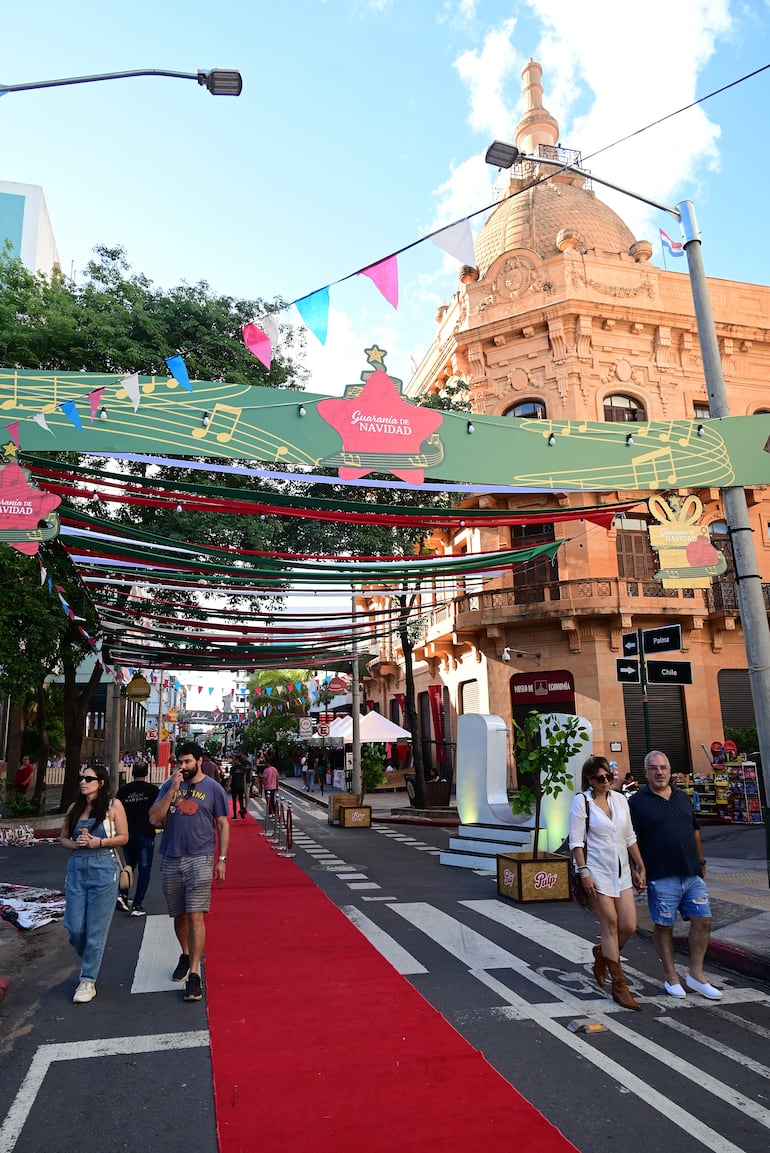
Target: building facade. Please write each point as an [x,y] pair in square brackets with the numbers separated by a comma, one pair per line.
[565,318]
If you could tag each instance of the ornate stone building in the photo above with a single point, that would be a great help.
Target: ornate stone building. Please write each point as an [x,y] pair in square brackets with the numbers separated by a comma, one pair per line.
[565,318]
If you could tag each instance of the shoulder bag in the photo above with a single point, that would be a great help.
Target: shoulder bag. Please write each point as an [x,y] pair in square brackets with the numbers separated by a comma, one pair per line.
[126,878]
[578,891]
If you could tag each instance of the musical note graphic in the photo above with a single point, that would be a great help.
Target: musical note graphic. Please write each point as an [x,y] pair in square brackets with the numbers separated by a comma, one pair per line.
[646,472]
[228,414]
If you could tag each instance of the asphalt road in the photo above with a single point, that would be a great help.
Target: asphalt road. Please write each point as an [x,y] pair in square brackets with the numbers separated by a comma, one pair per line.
[510,978]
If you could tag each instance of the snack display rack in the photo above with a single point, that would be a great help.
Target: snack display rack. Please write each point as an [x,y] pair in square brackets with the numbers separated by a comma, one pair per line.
[730,794]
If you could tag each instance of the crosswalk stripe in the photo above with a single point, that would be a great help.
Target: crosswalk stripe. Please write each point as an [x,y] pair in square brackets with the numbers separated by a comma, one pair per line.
[157,957]
[560,941]
[402,961]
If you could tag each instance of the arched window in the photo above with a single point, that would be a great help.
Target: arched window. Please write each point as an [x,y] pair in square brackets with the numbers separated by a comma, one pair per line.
[528,410]
[621,408]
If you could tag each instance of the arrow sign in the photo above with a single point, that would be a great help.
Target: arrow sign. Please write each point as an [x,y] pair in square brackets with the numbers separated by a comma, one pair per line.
[669,672]
[627,671]
[667,639]
[630,645]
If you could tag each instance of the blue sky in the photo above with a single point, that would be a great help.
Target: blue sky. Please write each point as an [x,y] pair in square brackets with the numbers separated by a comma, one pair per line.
[362,127]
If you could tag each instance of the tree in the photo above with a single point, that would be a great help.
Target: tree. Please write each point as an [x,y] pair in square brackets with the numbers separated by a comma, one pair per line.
[542,748]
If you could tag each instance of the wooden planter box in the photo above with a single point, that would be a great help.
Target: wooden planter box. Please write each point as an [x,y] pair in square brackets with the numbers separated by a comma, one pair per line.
[523,879]
[356,817]
[337,802]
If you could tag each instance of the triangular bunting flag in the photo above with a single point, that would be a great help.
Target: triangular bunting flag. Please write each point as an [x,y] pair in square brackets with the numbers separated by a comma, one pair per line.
[13,431]
[314,310]
[178,370]
[39,418]
[457,240]
[258,343]
[70,411]
[95,399]
[131,386]
[385,275]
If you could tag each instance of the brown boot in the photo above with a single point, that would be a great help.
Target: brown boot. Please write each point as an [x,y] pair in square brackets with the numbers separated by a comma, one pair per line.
[600,965]
[620,991]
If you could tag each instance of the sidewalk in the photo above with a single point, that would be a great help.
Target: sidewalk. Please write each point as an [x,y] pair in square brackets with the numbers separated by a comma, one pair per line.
[737,880]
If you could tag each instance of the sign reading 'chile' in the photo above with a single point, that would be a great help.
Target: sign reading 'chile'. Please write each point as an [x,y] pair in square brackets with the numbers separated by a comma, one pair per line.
[382,432]
[22,508]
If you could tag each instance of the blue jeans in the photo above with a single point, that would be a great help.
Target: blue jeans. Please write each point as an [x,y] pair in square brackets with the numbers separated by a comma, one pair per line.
[138,852]
[669,895]
[91,889]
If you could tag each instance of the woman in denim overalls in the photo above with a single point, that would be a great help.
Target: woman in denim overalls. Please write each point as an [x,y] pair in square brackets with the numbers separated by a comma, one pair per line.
[94,825]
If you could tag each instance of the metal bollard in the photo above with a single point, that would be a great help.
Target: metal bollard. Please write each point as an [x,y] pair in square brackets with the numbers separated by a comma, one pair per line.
[288,824]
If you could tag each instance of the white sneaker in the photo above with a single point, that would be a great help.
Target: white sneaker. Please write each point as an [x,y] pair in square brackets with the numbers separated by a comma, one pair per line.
[85,992]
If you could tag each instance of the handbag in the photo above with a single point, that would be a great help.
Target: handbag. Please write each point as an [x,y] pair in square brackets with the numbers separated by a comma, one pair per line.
[126,876]
[577,888]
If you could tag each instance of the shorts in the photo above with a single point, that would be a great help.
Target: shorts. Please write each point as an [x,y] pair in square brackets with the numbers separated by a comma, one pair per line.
[687,895]
[187,884]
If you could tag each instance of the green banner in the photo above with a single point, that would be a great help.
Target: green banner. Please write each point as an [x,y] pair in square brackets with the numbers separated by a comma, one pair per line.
[373,428]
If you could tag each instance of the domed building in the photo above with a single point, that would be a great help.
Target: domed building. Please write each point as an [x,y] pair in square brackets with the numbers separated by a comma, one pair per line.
[564,318]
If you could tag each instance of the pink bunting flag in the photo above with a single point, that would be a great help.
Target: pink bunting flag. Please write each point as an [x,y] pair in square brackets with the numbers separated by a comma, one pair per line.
[258,343]
[384,275]
[13,431]
[94,400]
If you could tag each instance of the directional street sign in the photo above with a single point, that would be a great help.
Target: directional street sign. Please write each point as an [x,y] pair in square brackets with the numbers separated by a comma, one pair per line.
[669,672]
[627,671]
[667,639]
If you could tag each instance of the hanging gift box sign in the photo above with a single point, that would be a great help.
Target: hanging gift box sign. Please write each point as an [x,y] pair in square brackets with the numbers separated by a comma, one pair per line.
[687,557]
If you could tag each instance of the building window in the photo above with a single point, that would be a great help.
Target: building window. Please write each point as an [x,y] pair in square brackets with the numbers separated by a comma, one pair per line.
[528,410]
[636,560]
[531,580]
[620,408]
[700,410]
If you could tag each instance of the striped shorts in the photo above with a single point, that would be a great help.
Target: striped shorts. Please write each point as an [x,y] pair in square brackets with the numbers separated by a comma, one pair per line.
[187,884]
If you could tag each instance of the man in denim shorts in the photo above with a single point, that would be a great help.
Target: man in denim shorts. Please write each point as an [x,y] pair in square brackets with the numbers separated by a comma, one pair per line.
[193,811]
[670,843]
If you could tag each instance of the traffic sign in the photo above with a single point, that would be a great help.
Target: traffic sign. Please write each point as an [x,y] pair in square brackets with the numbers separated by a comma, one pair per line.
[323,730]
[669,672]
[627,671]
[305,726]
[667,639]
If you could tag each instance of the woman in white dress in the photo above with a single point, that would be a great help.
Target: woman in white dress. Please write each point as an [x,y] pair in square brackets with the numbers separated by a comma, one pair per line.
[601,839]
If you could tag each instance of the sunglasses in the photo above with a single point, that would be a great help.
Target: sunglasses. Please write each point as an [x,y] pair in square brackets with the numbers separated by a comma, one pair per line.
[602,777]
[85,777]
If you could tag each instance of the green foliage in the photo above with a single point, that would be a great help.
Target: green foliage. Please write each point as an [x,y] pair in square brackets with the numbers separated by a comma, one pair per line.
[543,760]
[15,804]
[277,731]
[745,740]
[372,768]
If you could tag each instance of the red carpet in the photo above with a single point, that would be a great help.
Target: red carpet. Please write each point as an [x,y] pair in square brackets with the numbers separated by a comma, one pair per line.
[319,1045]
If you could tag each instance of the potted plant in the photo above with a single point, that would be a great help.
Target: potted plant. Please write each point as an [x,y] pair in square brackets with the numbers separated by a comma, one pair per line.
[372,774]
[543,747]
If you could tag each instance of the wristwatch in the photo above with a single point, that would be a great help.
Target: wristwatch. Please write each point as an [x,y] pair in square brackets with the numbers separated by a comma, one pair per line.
[223,858]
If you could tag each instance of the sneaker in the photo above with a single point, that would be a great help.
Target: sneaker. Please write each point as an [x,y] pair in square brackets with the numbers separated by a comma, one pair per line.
[85,992]
[123,904]
[182,969]
[193,990]
[138,911]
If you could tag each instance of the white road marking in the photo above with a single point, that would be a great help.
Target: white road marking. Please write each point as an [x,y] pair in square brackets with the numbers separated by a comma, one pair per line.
[717,1046]
[157,957]
[559,941]
[353,876]
[360,885]
[402,961]
[470,947]
[734,1019]
[662,1104]
[77,1051]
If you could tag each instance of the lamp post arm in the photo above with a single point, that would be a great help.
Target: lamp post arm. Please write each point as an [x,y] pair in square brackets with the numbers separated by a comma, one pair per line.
[562,167]
[92,79]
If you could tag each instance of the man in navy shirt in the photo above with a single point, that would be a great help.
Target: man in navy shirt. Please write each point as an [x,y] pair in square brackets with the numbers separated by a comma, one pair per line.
[669,841]
[137,799]
[193,811]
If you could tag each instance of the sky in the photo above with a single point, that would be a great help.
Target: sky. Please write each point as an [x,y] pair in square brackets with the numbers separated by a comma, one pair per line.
[362,128]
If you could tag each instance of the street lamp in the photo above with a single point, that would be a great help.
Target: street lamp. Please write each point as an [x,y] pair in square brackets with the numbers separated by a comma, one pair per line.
[219,81]
[751,602]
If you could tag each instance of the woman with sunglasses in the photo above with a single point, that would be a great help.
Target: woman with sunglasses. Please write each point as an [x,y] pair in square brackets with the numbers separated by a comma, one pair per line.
[602,838]
[94,825]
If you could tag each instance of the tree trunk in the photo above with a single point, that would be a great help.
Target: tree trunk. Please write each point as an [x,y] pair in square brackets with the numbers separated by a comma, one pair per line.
[16,726]
[75,709]
[45,746]
[536,837]
[413,721]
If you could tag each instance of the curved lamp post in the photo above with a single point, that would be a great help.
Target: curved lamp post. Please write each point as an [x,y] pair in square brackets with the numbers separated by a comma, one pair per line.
[751,602]
[219,81]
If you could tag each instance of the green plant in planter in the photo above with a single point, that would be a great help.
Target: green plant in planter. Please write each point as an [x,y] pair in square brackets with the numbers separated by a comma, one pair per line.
[543,758]
[372,768]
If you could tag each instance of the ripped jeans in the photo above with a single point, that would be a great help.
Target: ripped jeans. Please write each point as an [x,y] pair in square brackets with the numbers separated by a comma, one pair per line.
[671,895]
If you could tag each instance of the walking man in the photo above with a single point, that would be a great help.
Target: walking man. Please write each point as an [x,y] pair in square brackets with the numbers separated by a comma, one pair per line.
[670,843]
[240,779]
[270,781]
[193,811]
[137,798]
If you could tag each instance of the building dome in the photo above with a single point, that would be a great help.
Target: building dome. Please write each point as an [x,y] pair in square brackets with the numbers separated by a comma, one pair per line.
[547,216]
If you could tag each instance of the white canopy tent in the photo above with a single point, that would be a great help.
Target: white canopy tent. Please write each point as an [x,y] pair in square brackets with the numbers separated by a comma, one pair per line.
[373,728]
